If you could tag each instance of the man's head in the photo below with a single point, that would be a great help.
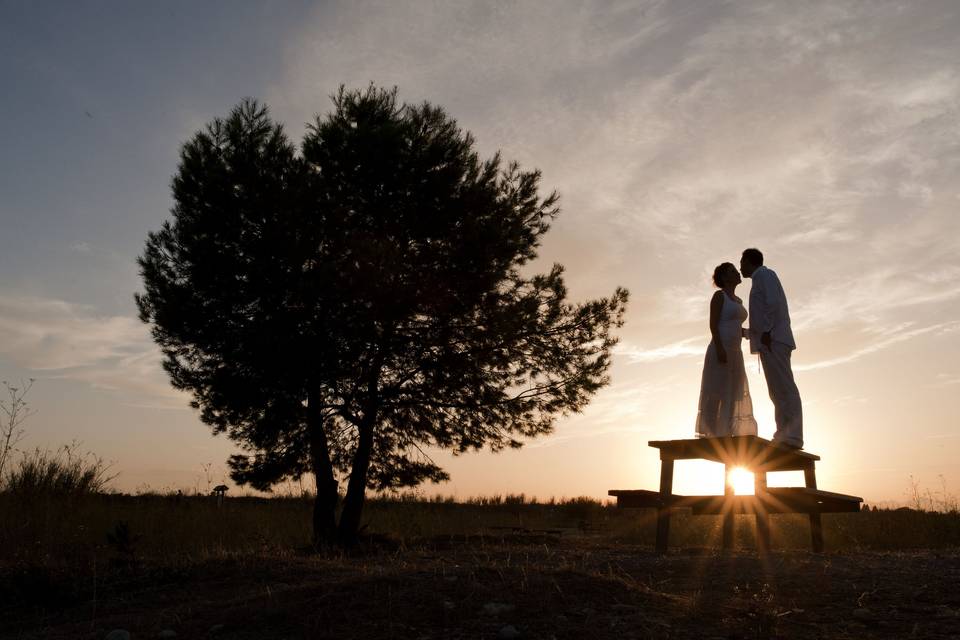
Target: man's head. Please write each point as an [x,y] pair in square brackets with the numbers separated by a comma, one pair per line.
[751,259]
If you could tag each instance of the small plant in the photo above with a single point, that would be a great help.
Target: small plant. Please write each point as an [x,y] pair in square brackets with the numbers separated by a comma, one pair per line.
[15,410]
[64,472]
[923,499]
[120,539]
[123,543]
[761,612]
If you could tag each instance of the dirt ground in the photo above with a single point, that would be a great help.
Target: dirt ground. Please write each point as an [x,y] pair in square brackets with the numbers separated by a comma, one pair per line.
[524,587]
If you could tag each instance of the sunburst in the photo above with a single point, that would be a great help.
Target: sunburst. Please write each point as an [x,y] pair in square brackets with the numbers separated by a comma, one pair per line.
[742,481]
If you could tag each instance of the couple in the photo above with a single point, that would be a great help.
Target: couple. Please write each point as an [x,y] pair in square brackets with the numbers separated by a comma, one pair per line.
[725,405]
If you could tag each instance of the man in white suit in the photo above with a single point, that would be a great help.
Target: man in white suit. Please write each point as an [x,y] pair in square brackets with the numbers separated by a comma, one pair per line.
[771,337]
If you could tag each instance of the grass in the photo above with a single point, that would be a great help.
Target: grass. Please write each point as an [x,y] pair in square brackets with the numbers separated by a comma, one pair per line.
[71,530]
[64,472]
[76,562]
[76,565]
[53,511]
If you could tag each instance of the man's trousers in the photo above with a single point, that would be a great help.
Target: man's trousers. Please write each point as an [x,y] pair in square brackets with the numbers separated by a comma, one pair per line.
[788,411]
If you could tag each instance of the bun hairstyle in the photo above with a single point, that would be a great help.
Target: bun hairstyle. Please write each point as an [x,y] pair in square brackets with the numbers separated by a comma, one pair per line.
[719,271]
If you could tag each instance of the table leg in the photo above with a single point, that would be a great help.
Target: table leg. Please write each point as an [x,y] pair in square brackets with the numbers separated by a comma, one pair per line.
[663,512]
[728,516]
[763,518]
[816,527]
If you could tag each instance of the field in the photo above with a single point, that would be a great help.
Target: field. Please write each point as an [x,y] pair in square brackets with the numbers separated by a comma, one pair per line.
[81,567]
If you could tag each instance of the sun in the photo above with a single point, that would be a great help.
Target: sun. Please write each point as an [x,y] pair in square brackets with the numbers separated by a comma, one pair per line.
[742,481]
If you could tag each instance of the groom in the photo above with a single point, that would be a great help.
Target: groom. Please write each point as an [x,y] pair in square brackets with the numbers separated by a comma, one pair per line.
[771,337]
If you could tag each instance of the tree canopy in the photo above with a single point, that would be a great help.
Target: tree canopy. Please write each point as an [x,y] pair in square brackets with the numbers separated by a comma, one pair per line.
[342,308]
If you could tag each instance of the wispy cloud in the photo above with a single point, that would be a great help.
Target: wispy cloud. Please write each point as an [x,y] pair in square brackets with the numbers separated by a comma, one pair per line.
[619,408]
[65,340]
[680,133]
[868,297]
[946,380]
[636,354]
[889,340]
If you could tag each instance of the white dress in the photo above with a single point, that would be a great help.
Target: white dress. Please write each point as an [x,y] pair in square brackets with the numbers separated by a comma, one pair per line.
[725,405]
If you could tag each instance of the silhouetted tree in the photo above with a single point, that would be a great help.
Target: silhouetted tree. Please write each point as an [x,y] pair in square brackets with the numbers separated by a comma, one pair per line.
[340,310]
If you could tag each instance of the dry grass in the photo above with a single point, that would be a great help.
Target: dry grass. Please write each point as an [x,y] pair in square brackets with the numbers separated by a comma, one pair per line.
[75,567]
[73,531]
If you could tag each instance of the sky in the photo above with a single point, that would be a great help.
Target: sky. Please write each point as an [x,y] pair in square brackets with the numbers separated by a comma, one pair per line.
[677,134]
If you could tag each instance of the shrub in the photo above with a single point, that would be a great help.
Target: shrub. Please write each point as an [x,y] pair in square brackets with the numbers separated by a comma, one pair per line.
[64,472]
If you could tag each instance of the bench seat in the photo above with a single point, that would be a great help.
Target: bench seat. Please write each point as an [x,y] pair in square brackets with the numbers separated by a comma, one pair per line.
[751,452]
[776,500]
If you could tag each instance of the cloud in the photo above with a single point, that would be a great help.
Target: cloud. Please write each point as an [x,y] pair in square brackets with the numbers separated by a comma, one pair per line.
[618,408]
[901,334]
[681,132]
[868,297]
[65,340]
[635,354]
[946,380]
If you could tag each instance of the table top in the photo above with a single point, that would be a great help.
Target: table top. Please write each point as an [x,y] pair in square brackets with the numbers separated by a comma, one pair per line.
[751,452]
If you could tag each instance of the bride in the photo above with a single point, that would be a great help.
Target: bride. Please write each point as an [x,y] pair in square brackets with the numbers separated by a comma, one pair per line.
[725,405]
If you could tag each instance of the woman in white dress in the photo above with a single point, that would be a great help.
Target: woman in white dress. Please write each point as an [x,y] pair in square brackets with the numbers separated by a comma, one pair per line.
[725,405]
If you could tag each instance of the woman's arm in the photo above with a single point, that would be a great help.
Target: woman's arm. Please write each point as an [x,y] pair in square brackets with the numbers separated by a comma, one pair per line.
[716,306]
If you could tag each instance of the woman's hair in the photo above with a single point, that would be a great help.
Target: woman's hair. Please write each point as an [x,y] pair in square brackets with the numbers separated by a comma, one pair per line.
[718,272]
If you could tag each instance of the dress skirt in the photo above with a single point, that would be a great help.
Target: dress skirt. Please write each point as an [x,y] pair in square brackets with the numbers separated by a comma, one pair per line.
[725,407]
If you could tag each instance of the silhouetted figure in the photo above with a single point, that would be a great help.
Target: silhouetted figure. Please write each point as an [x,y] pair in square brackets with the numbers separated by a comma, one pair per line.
[725,405]
[771,337]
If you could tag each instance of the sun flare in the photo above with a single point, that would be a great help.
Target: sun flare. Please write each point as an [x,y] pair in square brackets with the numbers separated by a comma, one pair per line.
[742,481]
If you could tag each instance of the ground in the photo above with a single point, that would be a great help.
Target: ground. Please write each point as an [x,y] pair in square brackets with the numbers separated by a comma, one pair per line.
[482,587]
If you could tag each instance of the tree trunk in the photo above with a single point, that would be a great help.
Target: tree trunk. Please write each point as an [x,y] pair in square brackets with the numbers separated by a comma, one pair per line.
[325,503]
[356,487]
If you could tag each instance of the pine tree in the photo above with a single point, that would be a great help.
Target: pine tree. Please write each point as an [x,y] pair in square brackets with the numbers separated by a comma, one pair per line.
[343,309]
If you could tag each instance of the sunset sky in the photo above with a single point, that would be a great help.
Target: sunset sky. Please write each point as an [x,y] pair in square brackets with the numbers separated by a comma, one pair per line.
[677,133]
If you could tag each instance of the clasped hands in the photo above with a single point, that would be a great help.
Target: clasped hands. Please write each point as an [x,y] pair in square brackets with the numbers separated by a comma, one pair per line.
[765,339]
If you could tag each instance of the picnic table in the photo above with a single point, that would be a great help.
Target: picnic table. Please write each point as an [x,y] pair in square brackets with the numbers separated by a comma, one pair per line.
[758,456]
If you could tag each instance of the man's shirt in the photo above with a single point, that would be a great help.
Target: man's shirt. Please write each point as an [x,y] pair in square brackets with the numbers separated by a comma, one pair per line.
[768,310]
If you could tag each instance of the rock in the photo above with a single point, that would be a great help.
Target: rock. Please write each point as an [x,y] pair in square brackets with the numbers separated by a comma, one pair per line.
[449,606]
[496,608]
[864,615]
[118,634]
[167,633]
[215,629]
[508,632]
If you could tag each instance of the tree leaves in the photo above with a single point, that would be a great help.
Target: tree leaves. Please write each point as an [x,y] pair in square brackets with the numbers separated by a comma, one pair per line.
[380,269]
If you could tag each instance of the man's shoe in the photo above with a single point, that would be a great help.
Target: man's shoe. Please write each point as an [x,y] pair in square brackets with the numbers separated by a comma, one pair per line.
[787,444]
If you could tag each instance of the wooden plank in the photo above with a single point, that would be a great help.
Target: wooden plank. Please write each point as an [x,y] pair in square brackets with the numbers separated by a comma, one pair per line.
[636,498]
[752,452]
[763,517]
[663,512]
[775,500]
[727,528]
[816,526]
